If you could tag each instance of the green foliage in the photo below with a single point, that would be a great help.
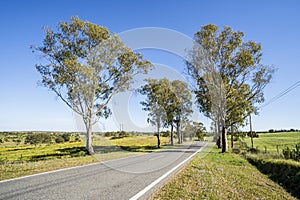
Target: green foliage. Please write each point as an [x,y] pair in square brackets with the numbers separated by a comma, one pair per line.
[109,134]
[86,66]
[159,98]
[77,138]
[166,133]
[195,129]
[254,134]
[120,134]
[38,138]
[59,139]
[292,153]
[228,75]
[167,102]
[239,135]
[66,137]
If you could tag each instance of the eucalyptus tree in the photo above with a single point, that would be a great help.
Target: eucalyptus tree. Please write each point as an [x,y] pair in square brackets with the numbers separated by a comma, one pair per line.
[165,101]
[182,105]
[85,66]
[159,97]
[229,76]
[195,129]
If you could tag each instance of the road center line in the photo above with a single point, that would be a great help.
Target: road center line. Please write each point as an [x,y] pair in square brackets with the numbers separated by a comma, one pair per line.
[146,189]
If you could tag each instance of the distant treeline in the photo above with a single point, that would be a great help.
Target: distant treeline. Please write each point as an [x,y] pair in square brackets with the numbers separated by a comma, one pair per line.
[38,137]
[269,131]
[11,133]
[279,131]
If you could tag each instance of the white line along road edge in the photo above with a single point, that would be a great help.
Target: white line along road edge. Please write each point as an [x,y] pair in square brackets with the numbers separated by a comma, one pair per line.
[146,189]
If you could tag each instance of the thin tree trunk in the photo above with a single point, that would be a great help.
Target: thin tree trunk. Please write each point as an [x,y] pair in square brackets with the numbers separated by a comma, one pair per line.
[182,136]
[224,139]
[158,138]
[172,134]
[178,132]
[89,132]
[231,136]
[220,135]
[251,133]
[216,132]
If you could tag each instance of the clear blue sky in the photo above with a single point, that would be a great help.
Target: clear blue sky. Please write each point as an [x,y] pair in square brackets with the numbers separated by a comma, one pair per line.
[26,106]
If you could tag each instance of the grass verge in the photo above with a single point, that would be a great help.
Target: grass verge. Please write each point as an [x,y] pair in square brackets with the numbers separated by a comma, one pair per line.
[221,176]
[284,172]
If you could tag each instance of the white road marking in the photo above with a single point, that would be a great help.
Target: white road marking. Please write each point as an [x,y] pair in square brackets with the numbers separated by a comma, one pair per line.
[146,189]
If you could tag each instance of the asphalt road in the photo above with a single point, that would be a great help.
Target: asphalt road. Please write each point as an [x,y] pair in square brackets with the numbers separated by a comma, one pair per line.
[115,179]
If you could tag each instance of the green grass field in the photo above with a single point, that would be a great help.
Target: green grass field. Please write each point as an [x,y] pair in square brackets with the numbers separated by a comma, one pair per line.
[213,175]
[272,141]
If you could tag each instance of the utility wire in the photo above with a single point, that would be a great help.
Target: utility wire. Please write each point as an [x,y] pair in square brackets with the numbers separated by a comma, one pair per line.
[289,89]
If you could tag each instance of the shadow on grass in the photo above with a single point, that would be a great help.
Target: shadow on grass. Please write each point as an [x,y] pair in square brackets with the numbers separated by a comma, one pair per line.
[20,149]
[72,150]
[106,149]
[47,156]
[64,152]
[284,173]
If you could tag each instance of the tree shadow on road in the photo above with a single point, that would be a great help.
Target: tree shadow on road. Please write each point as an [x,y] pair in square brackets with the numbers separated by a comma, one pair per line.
[133,148]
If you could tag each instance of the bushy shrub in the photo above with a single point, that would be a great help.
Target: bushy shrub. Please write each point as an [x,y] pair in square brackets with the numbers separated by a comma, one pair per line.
[81,153]
[200,135]
[77,138]
[17,140]
[38,138]
[239,135]
[166,133]
[292,153]
[110,134]
[66,137]
[59,139]
[254,134]
[120,134]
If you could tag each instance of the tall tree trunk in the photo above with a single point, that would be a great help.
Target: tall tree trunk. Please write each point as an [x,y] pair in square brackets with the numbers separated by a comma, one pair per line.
[251,133]
[172,134]
[89,146]
[231,136]
[224,139]
[220,135]
[182,136]
[216,132]
[178,132]
[158,138]
[89,132]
